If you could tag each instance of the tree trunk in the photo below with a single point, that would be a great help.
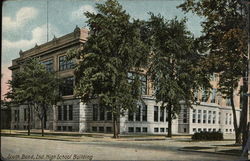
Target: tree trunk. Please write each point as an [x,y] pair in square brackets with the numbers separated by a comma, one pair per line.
[236,129]
[244,110]
[45,120]
[42,126]
[169,121]
[115,126]
[28,119]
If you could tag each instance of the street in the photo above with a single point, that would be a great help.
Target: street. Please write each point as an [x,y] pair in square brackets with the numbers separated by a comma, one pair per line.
[33,149]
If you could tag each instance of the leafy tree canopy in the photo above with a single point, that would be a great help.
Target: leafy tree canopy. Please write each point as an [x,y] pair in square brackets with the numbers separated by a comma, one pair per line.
[175,65]
[114,48]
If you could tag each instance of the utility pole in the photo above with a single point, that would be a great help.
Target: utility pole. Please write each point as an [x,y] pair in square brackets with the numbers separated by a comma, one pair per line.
[47,20]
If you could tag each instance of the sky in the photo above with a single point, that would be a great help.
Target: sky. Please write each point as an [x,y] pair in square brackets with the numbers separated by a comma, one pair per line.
[24,22]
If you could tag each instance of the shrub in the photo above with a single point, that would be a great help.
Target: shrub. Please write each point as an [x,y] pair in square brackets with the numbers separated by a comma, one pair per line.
[204,135]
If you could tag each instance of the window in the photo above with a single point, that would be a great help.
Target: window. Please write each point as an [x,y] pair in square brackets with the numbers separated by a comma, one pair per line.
[162,114]
[194,116]
[131,129]
[166,115]
[156,129]
[213,95]
[204,129]
[65,112]
[194,129]
[95,112]
[199,129]
[144,129]
[214,130]
[228,102]
[214,116]
[199,116]
[25,114]
[138,129]
[69,128]
[59,128]
[59,116]
[138,114]
[94,129]
[219,118]
[226,120]
[101,129]
[196,95]
[68,86]
[185,116]
[230,119]
[144,113]
[70,112]
[204,116]
[226,130]
[102,113]
[130,115]
[108,129]
[219,100]
[16,115]
[64,128]
[64,64]
[209,116]
[48,65]
[184,129]
[109,115]
[204,96]
[142,78]
[209,130]
[156,113]
[162,129]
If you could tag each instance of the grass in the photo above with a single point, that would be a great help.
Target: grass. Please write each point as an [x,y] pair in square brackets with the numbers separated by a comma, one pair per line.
[56,134]
[75,134]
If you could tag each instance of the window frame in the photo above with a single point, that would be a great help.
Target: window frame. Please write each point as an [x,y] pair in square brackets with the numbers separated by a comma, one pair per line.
[64,64]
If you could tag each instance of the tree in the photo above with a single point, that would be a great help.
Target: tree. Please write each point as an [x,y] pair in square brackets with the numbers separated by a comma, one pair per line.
[17,95]
[114,48]
[224,31]
[35,87]
[175,67]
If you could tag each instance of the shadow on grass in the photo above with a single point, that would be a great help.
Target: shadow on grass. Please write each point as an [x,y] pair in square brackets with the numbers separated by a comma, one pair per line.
[197,148]
[230,145]
[234,152]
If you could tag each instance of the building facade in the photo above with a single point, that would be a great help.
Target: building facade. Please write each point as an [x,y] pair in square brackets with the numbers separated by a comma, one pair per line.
[211,113]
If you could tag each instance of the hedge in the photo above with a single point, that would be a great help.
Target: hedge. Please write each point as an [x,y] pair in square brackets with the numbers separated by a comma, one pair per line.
[204,135]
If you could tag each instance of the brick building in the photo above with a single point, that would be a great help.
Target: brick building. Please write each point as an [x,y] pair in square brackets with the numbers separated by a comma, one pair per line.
[212,113]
